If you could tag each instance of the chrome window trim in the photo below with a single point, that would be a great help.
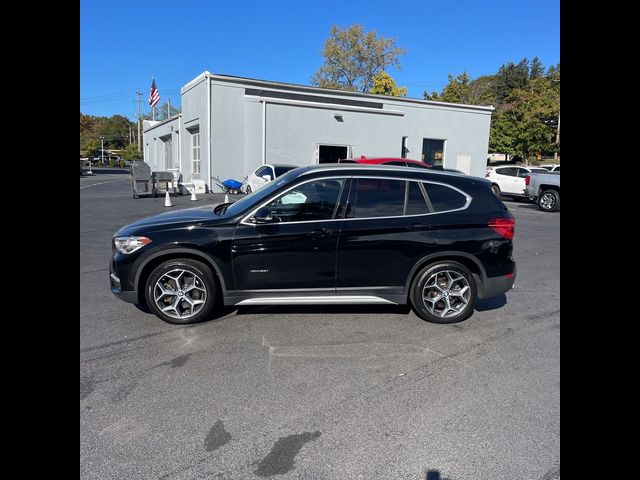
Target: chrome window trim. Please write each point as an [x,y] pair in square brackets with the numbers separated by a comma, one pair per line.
[245,221]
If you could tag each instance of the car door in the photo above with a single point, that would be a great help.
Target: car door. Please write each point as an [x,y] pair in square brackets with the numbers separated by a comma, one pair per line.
[505,177]
[388,227]
[297,250]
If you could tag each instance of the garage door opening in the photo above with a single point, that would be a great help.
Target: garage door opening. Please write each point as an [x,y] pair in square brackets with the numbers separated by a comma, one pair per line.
[332,153]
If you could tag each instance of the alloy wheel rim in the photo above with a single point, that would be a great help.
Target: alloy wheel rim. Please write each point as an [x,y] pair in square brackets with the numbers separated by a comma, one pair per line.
[547,201]
[446,293]
[180,294]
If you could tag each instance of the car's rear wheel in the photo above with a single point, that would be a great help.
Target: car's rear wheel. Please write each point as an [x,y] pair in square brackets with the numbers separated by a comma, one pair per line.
[444,293]
[181,291]
[496,190]
[248,189]
[549,201]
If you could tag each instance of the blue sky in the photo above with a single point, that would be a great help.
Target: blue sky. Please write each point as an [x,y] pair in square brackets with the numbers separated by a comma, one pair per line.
[124,43]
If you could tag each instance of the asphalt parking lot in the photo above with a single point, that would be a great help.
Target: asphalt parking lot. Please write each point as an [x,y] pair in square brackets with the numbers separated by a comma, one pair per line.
[360,392]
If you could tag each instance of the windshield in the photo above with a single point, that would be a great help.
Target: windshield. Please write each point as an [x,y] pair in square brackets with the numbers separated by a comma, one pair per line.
[257,196]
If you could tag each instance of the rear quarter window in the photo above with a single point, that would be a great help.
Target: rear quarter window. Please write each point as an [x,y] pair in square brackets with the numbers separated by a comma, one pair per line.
[444,198]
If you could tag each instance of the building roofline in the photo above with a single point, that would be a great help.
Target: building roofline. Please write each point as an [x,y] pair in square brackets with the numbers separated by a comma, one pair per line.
[161,122]
[325,91]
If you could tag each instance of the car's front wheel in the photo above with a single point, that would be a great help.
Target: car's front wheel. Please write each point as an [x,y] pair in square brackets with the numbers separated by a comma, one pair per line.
[248,190]
[181,291]
[444,293]
[496,190]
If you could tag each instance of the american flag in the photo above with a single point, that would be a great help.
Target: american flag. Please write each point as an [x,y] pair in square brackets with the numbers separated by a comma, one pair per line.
[154,94]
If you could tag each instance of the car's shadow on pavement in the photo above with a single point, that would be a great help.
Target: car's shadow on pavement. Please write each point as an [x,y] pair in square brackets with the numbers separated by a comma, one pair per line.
[491,303]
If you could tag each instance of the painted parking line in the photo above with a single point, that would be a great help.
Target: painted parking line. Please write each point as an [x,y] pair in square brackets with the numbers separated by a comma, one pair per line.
[102,183]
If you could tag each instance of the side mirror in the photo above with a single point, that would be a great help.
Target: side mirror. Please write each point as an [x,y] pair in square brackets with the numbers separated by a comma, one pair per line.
[263,215]
[267,177]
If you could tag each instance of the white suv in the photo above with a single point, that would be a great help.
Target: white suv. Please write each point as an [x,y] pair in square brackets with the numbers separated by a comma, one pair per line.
[509,180]
[264,174]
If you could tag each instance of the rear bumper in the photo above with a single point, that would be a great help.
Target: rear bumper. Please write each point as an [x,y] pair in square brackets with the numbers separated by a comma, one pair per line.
[493,286]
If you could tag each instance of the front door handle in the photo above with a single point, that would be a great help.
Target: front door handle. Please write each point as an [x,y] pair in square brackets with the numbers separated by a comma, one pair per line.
[321,232]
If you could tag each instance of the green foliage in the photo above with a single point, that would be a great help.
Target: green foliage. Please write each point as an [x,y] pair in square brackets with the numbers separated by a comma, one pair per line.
[510,77]
[91,147]
[461,89]
[482,91]
[122,163]
[527,105]
[536,70]
[457,90]
[531,115]
[353,57]
[131,153]
[114,129]
[383,84]
[112,162]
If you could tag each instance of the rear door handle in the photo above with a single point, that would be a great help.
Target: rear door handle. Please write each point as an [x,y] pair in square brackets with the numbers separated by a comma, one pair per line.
[419,226]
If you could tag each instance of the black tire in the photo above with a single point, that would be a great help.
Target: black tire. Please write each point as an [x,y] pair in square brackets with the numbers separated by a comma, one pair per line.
[248,189]
[192,269]
[549,201]
[496,190]
[135,196]
[459,310]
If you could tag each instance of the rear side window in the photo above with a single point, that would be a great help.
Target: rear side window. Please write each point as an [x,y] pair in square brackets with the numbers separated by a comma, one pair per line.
[444,198]
[416,204]
[376,197]
[509,171]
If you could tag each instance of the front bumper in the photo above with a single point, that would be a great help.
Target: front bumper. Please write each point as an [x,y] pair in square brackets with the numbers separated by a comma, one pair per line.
[493,286]
[129,296]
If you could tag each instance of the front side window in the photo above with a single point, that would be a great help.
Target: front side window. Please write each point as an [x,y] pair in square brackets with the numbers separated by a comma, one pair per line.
[195,151]
[311,201]
[376,197]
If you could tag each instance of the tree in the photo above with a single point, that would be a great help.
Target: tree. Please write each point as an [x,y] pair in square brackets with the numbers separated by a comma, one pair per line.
[91,147]
[353,57]
[536,70]
[161,112]
[383,84]
[457,90]
[482,91]
[462,89]
[131,153]
[510,77]
[532,113]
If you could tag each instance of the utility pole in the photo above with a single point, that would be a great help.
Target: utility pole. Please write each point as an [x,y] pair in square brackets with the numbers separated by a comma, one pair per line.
[102,140]
[129,134]
[168,107]
[555,154]
[139,93]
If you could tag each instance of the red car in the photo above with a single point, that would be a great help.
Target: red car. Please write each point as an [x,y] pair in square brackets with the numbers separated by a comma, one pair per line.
[401,162]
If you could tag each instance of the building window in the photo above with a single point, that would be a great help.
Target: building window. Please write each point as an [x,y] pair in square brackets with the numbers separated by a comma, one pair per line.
[433,151]
[195,151]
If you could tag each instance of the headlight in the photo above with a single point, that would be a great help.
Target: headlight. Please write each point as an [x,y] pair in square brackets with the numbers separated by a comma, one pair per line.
[129,245]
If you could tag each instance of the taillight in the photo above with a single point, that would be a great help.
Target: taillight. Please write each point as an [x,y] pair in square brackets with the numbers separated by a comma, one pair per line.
[527,180]
[504,226]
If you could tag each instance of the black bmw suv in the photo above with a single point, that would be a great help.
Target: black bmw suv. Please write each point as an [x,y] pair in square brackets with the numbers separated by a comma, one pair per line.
[325,234]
